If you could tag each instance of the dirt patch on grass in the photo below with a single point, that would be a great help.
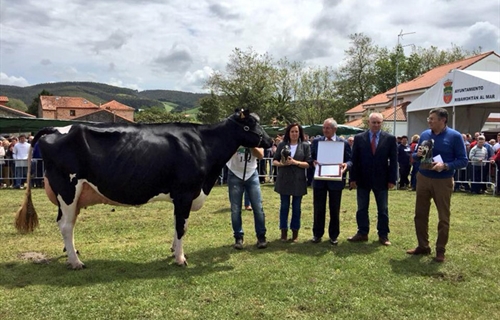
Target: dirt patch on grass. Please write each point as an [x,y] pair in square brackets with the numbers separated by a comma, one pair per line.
[35,257]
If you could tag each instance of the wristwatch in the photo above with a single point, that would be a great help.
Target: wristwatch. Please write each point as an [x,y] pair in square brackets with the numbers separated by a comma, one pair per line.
[446,167]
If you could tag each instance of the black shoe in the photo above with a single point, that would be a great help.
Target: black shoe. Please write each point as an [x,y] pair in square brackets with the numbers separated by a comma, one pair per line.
[238,244]
[334,242]
[316,239]
[261,243]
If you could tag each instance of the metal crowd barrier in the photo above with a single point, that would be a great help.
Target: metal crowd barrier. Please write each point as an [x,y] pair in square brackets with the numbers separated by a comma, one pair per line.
[473,178]
[477,177]
[9,174]
[267,172]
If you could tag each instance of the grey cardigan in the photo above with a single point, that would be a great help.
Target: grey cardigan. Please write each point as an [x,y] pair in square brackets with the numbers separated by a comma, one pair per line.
[292,180]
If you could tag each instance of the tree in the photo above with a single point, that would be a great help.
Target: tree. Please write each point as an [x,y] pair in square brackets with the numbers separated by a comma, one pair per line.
[356,79]
[17,104]
[247,83]
[315,97]
[281,107]
[210,110]
[33,107]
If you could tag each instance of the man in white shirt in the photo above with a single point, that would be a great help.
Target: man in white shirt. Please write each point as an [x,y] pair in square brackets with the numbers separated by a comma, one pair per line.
[20,154]
[496,147]
[243,177]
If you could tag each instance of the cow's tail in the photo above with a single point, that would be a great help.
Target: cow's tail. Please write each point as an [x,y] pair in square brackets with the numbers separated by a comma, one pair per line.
[26,217]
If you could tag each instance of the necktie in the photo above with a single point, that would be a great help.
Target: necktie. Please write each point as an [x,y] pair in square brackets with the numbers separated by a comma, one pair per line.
[374,143]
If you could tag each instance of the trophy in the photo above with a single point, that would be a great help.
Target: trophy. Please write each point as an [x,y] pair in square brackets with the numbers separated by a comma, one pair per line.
[285,153]
[426,158]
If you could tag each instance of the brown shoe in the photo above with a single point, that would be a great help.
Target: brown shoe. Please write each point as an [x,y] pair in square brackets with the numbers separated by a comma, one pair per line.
[284,234]
[358,237]
[419,250]
[384,241]
[439,257]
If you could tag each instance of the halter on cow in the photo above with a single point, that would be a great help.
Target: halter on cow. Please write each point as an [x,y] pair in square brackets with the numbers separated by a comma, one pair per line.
[103,163]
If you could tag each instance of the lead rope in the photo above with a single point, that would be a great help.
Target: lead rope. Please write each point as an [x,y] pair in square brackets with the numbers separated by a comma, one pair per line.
[247,158]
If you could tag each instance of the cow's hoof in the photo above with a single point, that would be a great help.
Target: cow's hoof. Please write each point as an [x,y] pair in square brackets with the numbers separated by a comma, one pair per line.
[185,264]
[78,266]
[182,262]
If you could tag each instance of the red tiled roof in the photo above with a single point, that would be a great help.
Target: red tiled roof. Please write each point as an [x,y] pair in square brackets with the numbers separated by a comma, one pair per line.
[358,123]
[4,99]
[16,112]
[493,120]
[103,110]
[55,102]
[431,77]
[115,105]
[380,98]
[388,113]
[357,109]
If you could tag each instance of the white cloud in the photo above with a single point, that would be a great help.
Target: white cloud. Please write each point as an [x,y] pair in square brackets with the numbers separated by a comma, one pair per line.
[13,81]
[196,79]
[157,44]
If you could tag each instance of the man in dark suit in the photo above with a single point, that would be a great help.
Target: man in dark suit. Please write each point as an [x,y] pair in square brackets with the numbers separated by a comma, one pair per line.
[374,168]
[328,188]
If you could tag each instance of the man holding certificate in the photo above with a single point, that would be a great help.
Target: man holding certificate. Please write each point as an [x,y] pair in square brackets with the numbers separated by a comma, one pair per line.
[332,159]
[374,168]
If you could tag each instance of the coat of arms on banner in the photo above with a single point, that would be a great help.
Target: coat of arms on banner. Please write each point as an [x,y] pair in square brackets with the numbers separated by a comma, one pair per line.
[447,91]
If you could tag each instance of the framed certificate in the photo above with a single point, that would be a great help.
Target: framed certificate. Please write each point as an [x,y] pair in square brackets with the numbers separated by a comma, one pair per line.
[330,170]
[330,159]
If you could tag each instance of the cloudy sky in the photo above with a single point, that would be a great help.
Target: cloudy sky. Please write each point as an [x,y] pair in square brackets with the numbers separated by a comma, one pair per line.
[177,44]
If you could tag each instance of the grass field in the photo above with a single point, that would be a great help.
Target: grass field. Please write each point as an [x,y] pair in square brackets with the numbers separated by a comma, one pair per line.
[131,275]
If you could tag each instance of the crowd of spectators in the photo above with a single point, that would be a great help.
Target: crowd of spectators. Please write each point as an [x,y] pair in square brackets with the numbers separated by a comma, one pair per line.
[14,152]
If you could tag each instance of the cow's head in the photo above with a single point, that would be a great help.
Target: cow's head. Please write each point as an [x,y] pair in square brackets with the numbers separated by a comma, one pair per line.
[253,135]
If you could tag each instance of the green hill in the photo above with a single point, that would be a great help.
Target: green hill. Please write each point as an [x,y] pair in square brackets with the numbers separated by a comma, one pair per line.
[102,93]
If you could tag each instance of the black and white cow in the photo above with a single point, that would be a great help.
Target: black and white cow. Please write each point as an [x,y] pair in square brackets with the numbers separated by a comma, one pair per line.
[136,163]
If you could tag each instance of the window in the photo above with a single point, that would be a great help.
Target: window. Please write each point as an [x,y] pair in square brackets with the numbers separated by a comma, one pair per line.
[72,113]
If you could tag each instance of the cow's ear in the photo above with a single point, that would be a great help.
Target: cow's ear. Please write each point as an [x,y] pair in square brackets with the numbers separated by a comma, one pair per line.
[243,114]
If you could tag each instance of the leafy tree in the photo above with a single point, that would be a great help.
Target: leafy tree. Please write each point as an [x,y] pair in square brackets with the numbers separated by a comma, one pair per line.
[387,65]
[356,79]
[33,107]
[433,57]
[210,109]
[281,108]
[17,104]
[247,83]
[159,115]
[315,97]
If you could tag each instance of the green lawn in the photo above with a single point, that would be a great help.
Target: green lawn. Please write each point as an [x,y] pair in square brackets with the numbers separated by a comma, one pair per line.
[131,275]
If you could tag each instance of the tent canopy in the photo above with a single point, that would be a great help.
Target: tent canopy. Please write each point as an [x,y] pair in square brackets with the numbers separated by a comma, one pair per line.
[12,125]
[469,97]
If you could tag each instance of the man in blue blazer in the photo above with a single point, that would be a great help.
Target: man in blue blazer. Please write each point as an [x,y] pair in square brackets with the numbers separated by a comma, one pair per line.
[374,168]
[328,188]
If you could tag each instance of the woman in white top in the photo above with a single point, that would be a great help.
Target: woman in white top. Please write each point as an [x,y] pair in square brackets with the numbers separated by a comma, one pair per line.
[292,178]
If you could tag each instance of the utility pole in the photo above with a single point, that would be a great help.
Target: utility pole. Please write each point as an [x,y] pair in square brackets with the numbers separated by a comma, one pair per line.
[395,103]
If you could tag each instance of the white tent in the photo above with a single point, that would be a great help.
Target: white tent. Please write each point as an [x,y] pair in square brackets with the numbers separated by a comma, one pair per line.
[469,97]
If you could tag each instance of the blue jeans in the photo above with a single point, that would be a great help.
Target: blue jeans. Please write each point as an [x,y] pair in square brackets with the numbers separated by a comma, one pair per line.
[381,197]
[21,174]
[236,187]
[247,199]
[296,210]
